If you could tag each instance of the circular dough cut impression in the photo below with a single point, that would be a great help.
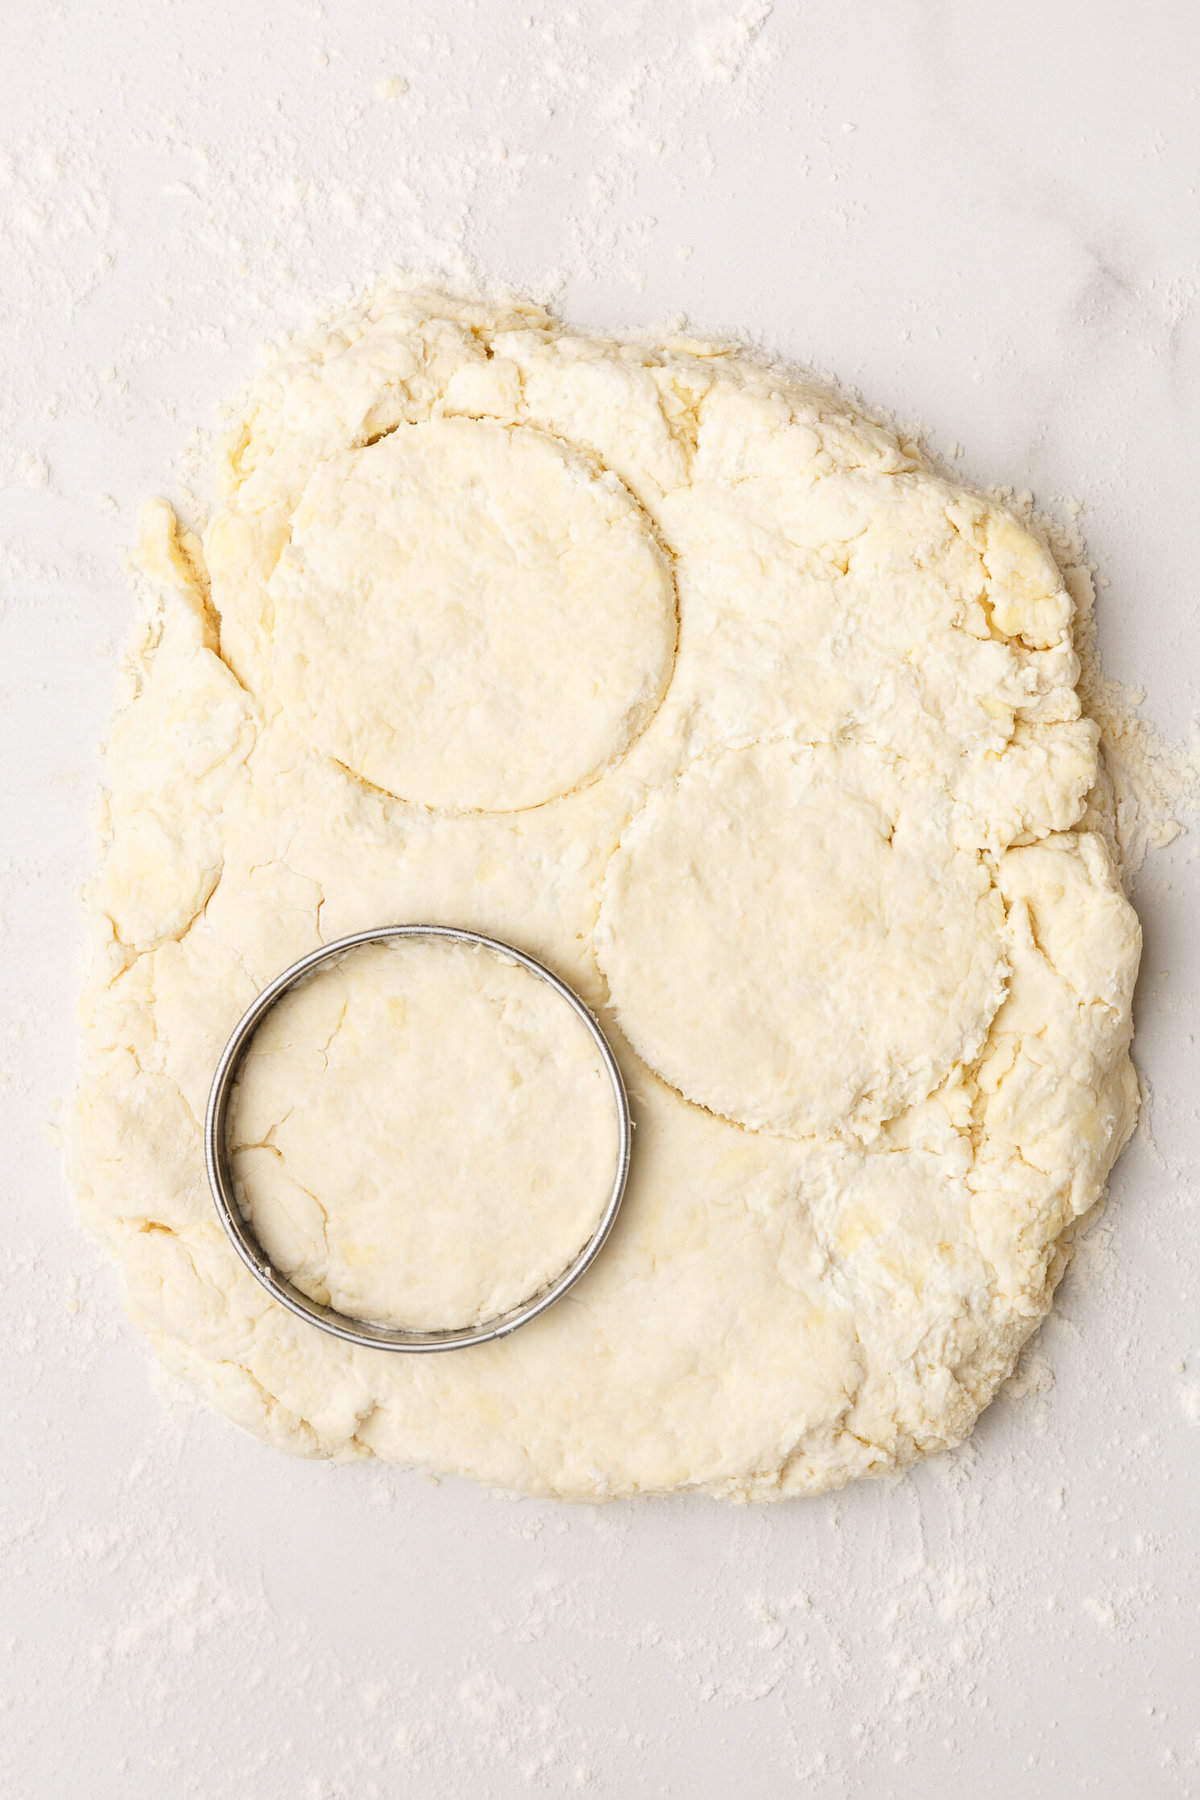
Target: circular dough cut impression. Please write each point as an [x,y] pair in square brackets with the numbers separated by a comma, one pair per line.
[794,944]
[398,1138]
[469,617]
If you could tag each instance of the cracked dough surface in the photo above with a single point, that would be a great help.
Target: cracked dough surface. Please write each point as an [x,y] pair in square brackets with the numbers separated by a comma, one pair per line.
[666,666]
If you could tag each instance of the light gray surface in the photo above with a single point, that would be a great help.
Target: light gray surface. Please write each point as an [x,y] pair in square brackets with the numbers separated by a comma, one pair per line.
[1004,247]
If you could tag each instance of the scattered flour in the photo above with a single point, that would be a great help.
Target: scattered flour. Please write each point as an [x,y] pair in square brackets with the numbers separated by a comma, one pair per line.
[1189,1402]
[722,49]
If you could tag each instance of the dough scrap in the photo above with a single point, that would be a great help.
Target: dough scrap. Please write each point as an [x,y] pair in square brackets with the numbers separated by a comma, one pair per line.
[917,962]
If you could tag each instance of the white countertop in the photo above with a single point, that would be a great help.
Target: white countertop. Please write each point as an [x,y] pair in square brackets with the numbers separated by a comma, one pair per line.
[987,220]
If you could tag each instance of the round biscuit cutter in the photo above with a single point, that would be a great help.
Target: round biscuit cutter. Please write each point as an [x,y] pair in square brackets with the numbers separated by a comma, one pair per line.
[366,1332]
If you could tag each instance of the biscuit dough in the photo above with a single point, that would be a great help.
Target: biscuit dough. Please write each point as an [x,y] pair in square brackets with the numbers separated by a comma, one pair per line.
[792,939]
[450,587]
[671,669]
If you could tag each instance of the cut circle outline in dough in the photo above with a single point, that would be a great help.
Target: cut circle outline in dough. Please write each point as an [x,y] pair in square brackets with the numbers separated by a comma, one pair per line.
[470,617]
[793,945]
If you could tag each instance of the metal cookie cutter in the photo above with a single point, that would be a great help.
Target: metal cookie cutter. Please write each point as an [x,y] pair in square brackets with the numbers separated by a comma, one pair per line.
[327,1318]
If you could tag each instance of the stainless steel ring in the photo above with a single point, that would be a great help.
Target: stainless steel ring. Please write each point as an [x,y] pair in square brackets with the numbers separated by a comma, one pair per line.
[327,1318]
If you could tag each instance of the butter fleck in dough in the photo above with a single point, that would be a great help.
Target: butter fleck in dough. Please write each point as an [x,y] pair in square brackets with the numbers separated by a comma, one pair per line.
[669,668]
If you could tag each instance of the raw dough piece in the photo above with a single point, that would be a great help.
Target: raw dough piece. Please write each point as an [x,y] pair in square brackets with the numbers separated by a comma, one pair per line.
[423,1135]
[453,587]
[827,849]
[792,939]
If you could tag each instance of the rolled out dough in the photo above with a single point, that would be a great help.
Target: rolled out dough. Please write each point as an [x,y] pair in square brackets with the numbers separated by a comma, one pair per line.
[671,669]
[423,1134]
